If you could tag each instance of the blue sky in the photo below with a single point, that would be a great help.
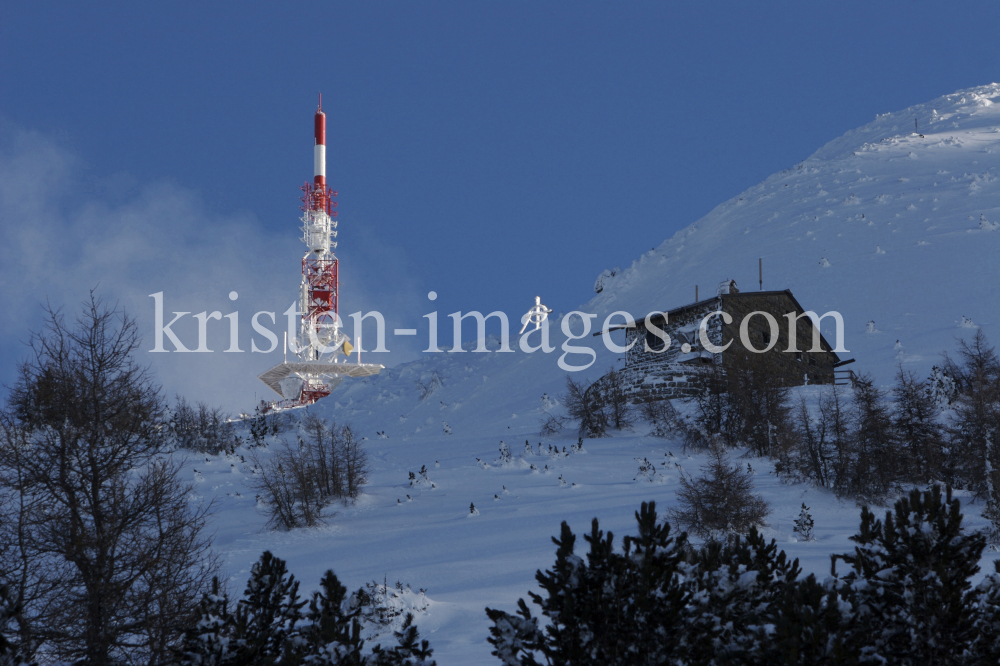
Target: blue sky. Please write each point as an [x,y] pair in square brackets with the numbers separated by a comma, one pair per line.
[489,151]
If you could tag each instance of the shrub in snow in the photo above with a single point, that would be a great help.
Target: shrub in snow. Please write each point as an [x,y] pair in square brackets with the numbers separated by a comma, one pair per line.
[554,452]
[473,511]
[257,425]
[551,425]
[587,408]
[446,428]
[505,456]
[646,470]
[615,402]
[409,651]
[420,479]
[720,501]
[597,407]
[266,423]
[298,481]
[804,524]
[383,606]
[941,388]
[199,427]
[662,416]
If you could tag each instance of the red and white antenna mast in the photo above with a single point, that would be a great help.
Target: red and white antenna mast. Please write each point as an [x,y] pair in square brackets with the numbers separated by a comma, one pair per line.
[320,339]
[318,302]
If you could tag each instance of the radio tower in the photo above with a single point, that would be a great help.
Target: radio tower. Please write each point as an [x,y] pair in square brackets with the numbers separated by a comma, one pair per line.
[318,307]
[320,340]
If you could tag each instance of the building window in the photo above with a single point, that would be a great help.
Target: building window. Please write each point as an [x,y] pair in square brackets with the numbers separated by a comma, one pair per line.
[654,342]
[798,356]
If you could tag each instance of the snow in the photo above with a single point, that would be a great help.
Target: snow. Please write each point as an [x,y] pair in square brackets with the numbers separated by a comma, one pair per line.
[925,203]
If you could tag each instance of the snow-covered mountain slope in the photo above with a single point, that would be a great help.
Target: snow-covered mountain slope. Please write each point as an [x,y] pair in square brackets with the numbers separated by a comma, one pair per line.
[879,225]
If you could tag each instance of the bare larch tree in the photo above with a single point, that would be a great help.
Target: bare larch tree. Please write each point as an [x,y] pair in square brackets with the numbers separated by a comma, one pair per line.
[105,556]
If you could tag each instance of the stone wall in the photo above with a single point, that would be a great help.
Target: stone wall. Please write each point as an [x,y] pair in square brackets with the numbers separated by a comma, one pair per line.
[681,327]
[682,382]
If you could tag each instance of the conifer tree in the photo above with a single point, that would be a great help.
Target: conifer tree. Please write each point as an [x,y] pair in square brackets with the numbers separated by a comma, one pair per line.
[735,585]
[720,501]
[267,614]
[409,651]
[875,463]
[975,431]
[612,608]
[812,625]
[915,568]
[210,641]
[985,643]
[915,419]
[269,627]
[804,524]
[335,633]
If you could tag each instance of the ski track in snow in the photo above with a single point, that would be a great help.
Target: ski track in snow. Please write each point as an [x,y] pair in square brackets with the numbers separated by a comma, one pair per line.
[930,206]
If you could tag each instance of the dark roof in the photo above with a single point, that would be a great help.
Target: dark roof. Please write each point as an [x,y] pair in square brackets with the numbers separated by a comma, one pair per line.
[706,301]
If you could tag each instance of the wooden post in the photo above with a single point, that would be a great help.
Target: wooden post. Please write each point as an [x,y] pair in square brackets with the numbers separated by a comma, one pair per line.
[760,273]
[696,293]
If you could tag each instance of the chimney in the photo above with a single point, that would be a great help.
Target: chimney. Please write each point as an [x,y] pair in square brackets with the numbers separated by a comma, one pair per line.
[728,287]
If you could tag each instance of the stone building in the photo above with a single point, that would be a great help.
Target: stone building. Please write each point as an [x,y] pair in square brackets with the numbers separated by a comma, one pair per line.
[656,370]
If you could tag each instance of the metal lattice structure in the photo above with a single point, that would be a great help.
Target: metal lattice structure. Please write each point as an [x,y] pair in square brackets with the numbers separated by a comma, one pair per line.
[320,339]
